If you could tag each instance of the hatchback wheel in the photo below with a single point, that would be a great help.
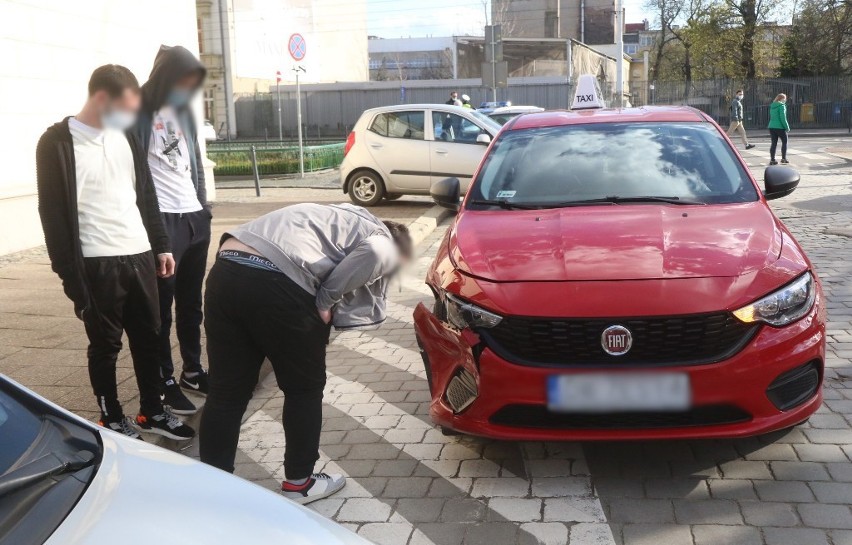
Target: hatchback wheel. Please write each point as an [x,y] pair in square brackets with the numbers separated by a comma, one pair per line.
[366,189]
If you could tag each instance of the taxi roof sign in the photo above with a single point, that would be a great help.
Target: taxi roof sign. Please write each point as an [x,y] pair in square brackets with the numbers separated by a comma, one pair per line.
[587,94]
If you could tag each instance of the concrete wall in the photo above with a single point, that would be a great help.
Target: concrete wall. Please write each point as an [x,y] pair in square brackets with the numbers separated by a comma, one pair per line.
[49,49]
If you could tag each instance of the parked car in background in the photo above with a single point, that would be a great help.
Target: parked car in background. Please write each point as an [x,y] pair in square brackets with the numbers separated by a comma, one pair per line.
[66,481]
[505,113]
[208,132]
[619,274]
[402,150]
[488,107]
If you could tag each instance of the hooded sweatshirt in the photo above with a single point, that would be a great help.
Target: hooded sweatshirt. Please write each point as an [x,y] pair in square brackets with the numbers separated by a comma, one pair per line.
[339,253]
[778,116]
[170,65]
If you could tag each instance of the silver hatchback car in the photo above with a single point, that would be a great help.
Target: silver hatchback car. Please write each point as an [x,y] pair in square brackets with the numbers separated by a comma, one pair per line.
[400,150]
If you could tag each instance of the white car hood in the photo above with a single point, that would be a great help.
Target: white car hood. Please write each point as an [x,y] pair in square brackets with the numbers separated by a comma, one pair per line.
[143,494]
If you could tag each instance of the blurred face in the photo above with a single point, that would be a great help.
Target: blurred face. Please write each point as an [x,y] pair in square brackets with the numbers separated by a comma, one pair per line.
[454,96]
[117,112]
[184,89]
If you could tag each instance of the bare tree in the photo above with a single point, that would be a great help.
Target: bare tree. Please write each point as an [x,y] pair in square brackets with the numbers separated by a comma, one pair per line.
[749,15]
[667,12]
[502,14]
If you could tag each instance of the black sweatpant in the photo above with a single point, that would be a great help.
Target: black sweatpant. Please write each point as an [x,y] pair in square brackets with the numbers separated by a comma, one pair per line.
[252,314]
[190,238]
[124,298]
[778,134]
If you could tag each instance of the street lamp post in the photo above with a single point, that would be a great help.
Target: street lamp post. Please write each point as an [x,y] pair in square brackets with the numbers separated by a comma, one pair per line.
[298,69]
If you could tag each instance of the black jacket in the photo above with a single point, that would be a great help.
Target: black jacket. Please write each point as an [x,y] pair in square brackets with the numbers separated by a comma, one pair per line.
[57,206]
[170,65]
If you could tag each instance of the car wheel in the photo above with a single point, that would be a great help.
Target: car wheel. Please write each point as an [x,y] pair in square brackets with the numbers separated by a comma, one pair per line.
[366,189]
[393,196]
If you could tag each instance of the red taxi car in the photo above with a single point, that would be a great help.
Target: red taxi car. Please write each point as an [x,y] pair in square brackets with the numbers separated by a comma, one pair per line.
[618,274]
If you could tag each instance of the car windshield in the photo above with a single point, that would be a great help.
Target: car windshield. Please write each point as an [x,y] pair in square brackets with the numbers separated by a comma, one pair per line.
[19,428]
[612,162]
[486,122]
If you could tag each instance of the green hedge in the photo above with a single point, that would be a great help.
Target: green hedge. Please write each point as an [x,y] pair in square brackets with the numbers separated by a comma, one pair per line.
[275,161]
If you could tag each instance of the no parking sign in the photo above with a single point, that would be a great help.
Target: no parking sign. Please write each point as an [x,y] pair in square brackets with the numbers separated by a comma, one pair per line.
[297,46]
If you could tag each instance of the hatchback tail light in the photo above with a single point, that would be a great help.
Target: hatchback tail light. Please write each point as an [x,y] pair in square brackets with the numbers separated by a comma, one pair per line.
[350,141]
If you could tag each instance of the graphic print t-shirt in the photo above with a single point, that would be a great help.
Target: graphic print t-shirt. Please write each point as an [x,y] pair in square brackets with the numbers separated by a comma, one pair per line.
[168,157]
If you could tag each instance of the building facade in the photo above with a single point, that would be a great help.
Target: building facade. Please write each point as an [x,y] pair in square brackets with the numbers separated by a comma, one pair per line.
[587,21]
[244,43]
[49,52]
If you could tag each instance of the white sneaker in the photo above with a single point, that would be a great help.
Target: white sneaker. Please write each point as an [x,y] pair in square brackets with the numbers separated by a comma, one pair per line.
[318,486]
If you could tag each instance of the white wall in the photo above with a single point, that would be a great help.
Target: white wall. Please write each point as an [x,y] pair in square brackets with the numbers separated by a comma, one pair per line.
[48,49]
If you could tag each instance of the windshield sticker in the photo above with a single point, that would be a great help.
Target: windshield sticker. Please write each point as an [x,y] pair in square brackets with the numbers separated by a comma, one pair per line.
[505,194]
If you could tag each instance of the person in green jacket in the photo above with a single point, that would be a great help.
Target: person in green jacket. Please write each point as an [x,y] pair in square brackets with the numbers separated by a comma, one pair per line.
[778,128]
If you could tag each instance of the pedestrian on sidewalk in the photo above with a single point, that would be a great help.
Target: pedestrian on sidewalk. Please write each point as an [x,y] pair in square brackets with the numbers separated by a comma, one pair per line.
[278,285]
[737,119]
[167,130]
[778,128]
[107,243]
[454,98]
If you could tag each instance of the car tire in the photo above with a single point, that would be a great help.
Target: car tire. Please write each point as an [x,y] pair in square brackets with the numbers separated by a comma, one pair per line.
[393,196]
[366,188]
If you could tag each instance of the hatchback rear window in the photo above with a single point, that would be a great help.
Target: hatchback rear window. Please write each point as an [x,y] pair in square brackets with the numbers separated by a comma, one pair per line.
[689,161]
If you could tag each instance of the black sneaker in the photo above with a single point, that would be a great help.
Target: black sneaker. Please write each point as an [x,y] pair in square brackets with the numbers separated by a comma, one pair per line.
[749,146]
[785,162]
[122,426]
[173,398]
[196,384]
[773,162]
[165,424]
[318,485]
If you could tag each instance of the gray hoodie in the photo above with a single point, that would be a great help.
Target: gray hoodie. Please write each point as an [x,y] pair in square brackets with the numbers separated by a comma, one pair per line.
[736,109]
[341,253]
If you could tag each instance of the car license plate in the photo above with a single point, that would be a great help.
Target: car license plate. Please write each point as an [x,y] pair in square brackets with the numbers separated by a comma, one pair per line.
[618,392]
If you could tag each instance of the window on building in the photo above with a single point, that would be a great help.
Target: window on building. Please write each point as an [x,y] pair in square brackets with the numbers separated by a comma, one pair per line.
[630,49]
[200,35]
[399,125]
[551,21]
[646,40]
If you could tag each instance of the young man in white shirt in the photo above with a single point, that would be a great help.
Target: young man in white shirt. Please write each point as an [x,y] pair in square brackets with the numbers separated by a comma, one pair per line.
[103,230]
[167,131]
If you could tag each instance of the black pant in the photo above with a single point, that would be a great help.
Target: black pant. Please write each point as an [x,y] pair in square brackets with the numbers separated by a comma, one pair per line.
[190,238]
[252,314]
[124,298]
[777,134]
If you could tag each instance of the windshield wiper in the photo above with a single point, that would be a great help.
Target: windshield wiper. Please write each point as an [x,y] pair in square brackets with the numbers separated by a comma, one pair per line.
[46,467]
[504,204]
[615,199]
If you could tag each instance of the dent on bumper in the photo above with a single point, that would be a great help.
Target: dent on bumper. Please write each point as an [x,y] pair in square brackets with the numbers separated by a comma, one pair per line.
[740,381]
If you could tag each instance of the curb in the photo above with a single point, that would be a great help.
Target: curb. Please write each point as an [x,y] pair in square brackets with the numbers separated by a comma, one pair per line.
[420,229]
[423,226]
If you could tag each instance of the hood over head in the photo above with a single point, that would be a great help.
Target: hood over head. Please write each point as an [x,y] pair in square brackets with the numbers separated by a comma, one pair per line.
[170,65]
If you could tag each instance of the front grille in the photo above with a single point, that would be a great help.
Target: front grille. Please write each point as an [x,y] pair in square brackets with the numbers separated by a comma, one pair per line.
[539,416]
[794,387]
[665,340]
[461,391]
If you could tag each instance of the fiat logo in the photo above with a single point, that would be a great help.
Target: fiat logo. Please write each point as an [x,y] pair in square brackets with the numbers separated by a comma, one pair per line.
[616,340]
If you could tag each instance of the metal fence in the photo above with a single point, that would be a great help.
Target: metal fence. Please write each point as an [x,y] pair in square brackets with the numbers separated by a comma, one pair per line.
[235,158]
[817,103]
[329,111]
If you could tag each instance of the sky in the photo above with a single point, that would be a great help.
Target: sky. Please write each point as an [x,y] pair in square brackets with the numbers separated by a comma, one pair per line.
[419,18]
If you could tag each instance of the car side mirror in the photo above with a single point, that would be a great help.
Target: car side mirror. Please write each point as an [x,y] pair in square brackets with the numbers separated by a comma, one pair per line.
[483,139]
[779,181]
[446,193]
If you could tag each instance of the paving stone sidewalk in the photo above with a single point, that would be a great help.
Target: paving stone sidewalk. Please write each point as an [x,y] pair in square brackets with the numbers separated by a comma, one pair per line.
[42,343]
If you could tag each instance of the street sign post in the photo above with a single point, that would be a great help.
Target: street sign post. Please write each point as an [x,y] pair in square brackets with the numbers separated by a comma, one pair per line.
[278,91]
[298,48]
[298,69]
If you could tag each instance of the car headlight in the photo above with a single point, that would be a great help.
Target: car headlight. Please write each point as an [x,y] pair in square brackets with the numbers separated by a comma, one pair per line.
[783,306]
[462,314]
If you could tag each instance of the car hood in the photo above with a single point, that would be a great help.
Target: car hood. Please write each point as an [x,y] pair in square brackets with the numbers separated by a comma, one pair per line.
[616,242]
[143,494]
